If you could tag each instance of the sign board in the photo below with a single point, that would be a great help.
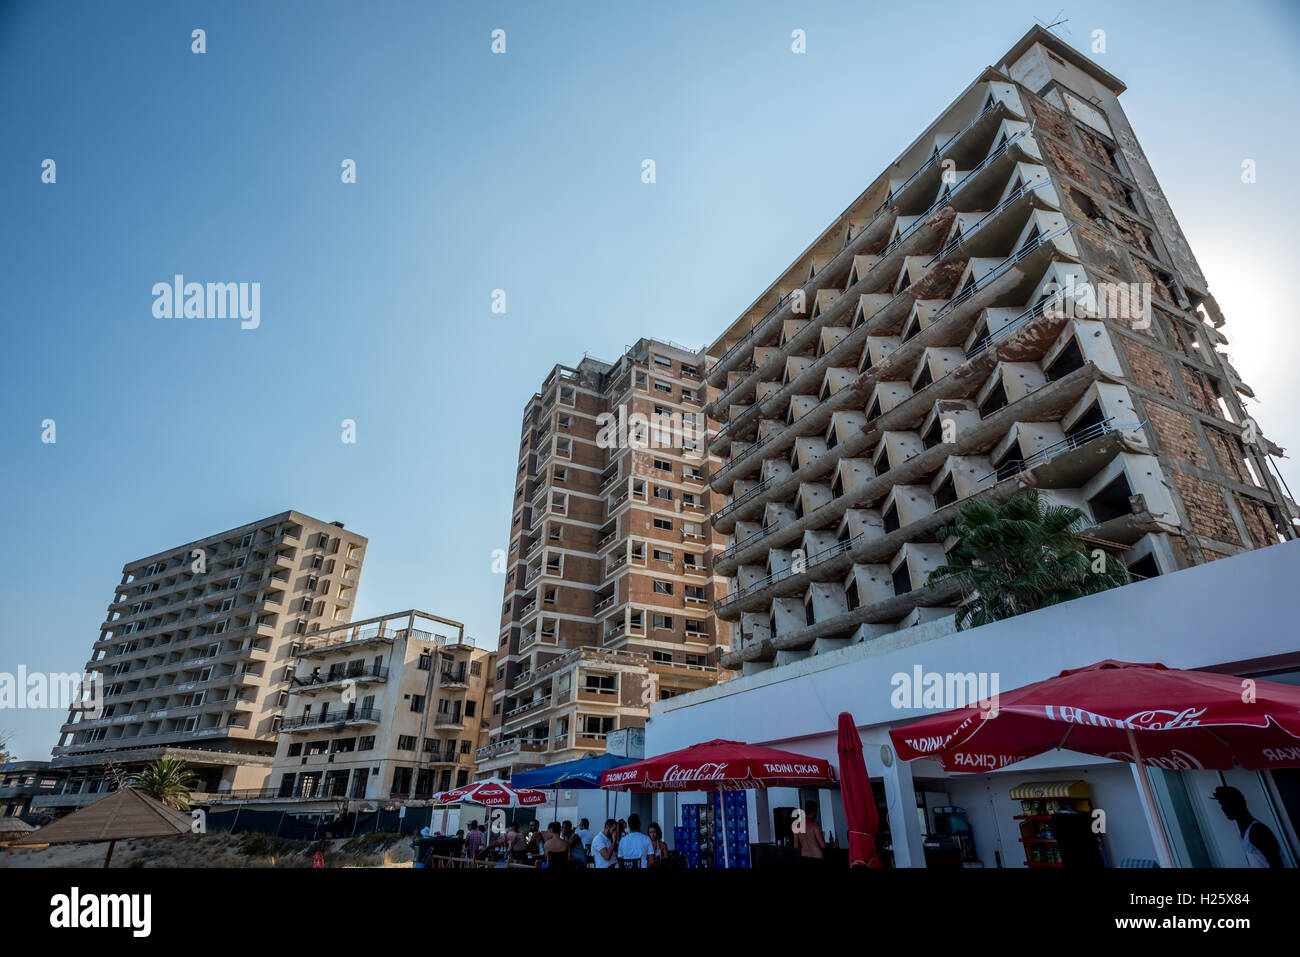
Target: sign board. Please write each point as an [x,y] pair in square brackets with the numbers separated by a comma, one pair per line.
[626,743]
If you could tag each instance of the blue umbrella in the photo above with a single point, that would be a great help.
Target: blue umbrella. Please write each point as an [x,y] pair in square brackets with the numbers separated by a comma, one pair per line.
[583,773]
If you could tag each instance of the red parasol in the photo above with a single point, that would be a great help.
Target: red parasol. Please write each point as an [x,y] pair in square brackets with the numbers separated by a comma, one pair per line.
[1177,720]
[1146,714]
[719,766]
[859,801]
[492,793]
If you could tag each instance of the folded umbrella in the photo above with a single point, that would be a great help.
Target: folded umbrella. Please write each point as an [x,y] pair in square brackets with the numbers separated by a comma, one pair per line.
[858,798]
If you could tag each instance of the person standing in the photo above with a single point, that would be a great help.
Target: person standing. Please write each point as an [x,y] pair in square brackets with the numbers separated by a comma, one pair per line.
[473,841]
[635,846]
[810,842]
[555,847]
[577,850]
[584,833]
[534,845]
[1256,839]
[656,835]
[604,852]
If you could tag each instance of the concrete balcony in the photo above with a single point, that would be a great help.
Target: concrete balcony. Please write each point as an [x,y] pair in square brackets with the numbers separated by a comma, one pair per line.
[312,685]
[511,746]
[314,722]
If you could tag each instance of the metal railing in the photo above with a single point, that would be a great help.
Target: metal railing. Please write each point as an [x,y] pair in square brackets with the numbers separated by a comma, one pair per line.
[1007,470]
[1037,309]
[1067,444]
[332,717]
[740,500]
[980,223]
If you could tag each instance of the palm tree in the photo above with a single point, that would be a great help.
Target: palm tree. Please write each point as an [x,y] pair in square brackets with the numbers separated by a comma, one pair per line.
[167,780]
[1021,556]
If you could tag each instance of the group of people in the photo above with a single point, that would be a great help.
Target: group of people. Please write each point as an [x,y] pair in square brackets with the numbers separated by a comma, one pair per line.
[620,843]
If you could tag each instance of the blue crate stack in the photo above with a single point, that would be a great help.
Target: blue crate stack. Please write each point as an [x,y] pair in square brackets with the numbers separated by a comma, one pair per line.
[731,811]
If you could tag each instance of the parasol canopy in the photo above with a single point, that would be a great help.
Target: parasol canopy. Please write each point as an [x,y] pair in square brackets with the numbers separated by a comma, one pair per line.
[720,766]
[492,792]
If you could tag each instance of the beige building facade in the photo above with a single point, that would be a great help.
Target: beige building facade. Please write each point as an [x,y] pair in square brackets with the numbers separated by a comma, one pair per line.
[608,577]
[195,653]
[385,711]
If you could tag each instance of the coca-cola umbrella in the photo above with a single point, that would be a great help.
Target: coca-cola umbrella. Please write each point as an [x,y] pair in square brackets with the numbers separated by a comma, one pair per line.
[859,801]
[1146,714]
[720,766]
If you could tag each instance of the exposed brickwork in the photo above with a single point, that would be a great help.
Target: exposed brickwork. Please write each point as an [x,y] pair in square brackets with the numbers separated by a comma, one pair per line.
[1206,508]
[1231,456]
[1066,160]
[1095,147]
[1115,189]
[1258,522]
[1176,335]
[1133,234]
[1099,249]
[1150,368]
[1175,434]
[1050,118]
[1200,393]
[1153,279]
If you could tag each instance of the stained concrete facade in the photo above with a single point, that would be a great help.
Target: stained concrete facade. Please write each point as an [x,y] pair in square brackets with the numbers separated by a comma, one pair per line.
[1010,304]
[196,652]
[390,710]
[608,577]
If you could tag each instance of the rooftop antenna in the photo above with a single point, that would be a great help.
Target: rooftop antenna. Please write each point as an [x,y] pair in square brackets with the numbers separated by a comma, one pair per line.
[1057,21]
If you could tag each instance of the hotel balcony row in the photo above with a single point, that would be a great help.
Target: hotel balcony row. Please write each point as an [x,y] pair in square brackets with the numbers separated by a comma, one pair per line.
[136,731]
[199,662]
[183,681]
[982,137]
[905,296]
[262,619]
[344,717]
[891,372]
[988,263]
[811,587]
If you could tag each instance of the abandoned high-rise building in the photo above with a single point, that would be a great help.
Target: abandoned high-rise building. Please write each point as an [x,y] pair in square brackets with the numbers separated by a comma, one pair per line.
[1010,303]
[608,580]
[196,649]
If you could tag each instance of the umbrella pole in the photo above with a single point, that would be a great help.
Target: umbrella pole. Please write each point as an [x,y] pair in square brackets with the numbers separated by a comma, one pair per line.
[109,856]
[721,821]
[1163,852]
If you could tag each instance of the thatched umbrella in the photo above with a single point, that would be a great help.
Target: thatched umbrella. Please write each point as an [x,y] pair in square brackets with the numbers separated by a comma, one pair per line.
[123,815]
[11,828]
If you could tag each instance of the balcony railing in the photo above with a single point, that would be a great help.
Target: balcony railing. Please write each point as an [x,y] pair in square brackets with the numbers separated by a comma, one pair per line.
[1007,470]
[1070,442]
[373,673]
[333,717]
[740,500]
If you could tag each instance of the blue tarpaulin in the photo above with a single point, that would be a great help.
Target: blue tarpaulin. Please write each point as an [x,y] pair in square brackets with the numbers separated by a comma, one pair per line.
[583,773]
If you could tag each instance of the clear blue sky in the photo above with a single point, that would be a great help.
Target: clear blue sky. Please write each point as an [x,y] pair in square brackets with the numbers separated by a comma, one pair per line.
[478,172]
